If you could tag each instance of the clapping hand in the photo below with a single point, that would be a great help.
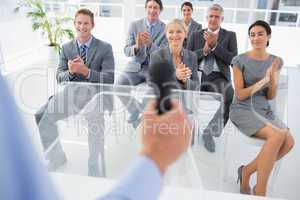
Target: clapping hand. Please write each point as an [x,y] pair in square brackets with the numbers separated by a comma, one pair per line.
[211,38]
[183,73]
[146,38]
[275,69]
[77,66]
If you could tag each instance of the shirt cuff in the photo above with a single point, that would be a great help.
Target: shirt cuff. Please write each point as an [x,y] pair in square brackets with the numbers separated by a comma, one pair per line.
[214,47]
[71,77]
[142,181]
[88,76]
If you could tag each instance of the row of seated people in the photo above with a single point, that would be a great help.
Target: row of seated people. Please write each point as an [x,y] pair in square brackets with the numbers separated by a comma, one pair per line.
[209,52]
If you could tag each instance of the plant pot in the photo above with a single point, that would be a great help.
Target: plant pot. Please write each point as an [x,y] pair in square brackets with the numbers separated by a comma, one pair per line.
[50,56]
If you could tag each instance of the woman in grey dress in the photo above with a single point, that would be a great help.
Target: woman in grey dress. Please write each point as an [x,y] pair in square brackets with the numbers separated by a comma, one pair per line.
[256,75]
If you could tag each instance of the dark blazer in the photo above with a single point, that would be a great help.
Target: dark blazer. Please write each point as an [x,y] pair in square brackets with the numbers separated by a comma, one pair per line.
[100,61]
[225,50]
[195,26]
[189,59]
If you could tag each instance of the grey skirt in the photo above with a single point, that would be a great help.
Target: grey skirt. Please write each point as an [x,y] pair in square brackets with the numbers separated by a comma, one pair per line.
[249,122]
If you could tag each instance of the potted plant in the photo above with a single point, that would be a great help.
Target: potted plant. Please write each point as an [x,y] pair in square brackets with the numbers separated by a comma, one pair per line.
[53,27]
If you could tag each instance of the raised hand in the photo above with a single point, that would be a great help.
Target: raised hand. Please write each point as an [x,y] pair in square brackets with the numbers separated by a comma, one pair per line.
[211,38]
[275,69]
[146,38]
[267,76]
[77,66]
[165,137]
[183,73]
[138,41]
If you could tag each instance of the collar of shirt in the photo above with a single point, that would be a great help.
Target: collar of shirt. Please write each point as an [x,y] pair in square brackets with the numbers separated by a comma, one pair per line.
[190,23]
[215,32]
[149,24]
[87,44]
[181,53]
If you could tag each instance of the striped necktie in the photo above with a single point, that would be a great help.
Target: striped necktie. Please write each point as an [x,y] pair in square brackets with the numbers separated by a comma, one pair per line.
[151,30]
[83,49]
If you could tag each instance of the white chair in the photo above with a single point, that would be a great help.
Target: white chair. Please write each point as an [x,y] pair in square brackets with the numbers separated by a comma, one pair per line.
[279,106]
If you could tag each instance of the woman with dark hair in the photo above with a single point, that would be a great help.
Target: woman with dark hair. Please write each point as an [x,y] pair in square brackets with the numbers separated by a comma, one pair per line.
[256,77]
[192,26]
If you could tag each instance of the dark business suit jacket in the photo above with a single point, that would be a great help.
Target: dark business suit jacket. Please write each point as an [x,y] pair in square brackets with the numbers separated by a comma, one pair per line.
[189,58]
[195,26]
[225,50]
[100,61]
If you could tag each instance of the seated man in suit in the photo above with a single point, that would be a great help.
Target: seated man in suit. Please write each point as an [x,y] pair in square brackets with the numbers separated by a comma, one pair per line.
[84,59]
[215,47]
[145,36]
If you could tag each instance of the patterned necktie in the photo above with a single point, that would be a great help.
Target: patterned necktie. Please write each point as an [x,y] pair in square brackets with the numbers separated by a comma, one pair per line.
[208,64]
[151,30]
[83,49]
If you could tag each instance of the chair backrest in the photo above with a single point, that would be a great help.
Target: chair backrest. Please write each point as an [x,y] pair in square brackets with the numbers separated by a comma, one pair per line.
[280,103]
[121,140]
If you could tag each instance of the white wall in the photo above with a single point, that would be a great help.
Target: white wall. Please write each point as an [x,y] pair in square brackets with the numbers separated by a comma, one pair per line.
[285,42]
[18,42]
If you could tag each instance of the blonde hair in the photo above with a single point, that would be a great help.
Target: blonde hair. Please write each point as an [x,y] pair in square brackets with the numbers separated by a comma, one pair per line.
[179,22]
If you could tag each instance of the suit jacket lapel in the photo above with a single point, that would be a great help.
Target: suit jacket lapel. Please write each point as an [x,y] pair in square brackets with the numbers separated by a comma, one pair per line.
[75,50]
[91,52]
[191,28]
[201,38]
[186,58]
[221,35]
[167,54]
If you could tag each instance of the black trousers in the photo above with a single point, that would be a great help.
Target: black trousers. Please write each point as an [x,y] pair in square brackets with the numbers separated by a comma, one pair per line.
[216,82]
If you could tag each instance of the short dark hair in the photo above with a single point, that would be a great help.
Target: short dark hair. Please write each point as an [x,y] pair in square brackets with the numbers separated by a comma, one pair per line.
[85,11]
[187,3]
[157,1]
[263,24]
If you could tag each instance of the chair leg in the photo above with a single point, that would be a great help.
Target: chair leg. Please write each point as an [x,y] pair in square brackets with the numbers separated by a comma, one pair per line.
[274,176]
[103,163]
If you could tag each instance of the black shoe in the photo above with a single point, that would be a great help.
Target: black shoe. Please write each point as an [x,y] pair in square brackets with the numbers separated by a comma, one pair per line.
[134,120]
[57,162]
[209,142]
[133,117]
[188,111]
[94,171]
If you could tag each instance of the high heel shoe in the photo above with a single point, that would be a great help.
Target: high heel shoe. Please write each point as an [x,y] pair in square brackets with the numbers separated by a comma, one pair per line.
[253,190]
[239,180]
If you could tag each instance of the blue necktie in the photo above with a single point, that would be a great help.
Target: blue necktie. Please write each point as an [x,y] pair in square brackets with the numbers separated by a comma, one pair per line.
[208,64]
[151,30]
[83,49]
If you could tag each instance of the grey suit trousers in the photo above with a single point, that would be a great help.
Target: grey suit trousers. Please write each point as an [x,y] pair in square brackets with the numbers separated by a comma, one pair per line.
[70,101]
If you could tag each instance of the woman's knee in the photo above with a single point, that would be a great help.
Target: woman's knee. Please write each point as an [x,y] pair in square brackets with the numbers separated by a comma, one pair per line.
[269,133]
[276,136]
[289,140]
